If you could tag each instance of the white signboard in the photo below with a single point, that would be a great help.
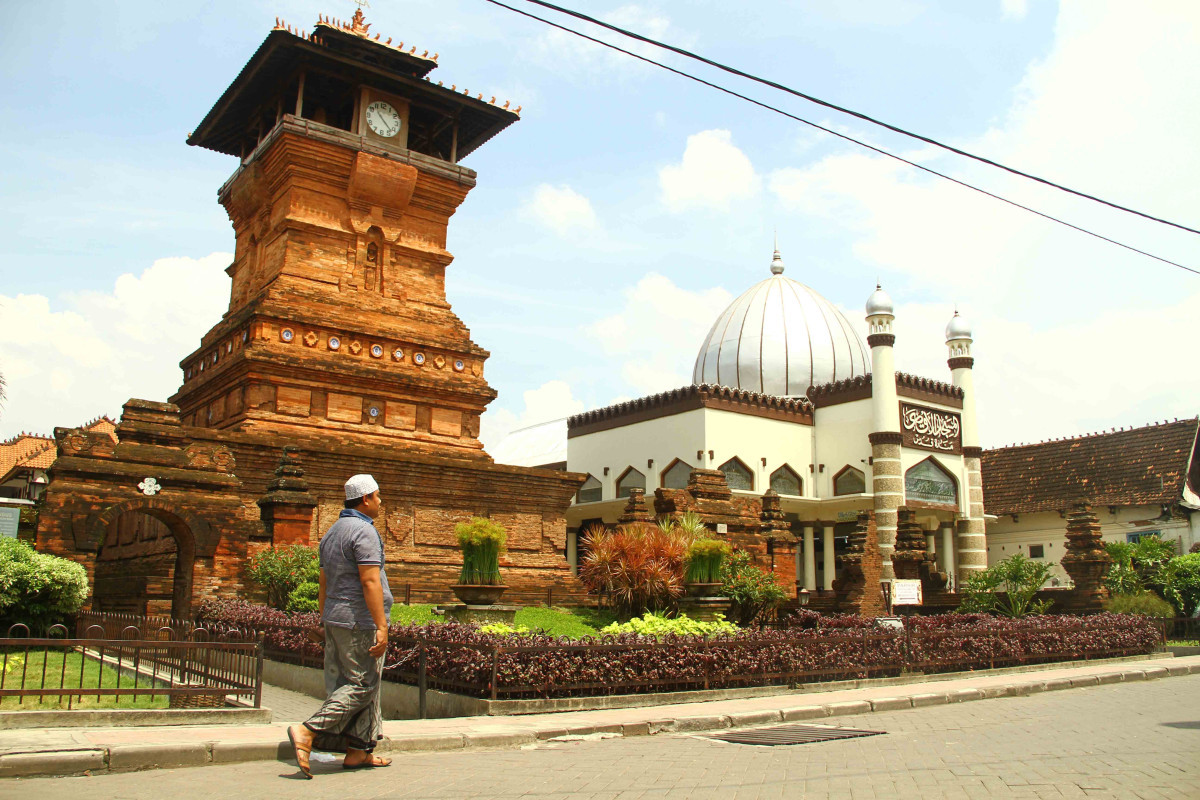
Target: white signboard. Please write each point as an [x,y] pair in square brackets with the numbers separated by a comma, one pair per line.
[10,518]
[906,593]
[722,527]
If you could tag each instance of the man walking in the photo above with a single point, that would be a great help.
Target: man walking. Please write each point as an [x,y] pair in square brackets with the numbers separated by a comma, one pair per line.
[355,602]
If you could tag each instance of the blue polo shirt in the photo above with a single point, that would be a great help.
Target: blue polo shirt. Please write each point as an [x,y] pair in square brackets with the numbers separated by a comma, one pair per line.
[351,542]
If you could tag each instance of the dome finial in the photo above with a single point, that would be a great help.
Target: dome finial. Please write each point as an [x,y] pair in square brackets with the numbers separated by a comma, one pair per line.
[777,260]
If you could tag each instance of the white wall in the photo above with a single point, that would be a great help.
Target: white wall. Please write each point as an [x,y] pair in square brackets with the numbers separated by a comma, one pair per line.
[663,439]
[1005,537]
[728,434]
[841,439]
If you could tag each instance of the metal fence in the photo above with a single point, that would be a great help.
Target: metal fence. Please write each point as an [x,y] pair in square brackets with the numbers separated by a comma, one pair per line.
[194,673]
[1180,629]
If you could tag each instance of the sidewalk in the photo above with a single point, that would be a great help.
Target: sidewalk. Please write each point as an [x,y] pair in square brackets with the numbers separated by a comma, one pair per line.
[65,751]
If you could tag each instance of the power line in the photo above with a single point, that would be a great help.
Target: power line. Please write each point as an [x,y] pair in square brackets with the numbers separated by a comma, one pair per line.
[839,135]
[856,114]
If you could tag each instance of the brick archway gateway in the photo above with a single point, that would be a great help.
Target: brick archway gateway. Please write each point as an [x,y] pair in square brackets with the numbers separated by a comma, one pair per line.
[133,583]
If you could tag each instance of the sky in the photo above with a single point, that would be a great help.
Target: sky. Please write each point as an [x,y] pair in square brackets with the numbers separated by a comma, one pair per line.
[628,207]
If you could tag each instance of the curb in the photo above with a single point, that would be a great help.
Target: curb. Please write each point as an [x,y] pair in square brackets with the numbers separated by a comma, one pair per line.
[131,757]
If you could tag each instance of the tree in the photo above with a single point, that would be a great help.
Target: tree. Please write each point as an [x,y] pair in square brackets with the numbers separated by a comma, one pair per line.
[1007,588]
[1180,579]
[754,591]
[280,570]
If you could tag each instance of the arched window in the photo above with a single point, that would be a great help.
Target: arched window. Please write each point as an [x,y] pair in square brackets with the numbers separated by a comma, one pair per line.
[738,475]
[676,476]
[930,483]
[785,481]
[849,481]
[630,479]
[590,492]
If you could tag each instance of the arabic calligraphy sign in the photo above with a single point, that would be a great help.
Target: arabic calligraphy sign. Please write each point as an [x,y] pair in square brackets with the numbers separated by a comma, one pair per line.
[930,429]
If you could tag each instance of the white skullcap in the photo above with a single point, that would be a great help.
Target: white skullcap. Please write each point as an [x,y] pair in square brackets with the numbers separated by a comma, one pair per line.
[360,486]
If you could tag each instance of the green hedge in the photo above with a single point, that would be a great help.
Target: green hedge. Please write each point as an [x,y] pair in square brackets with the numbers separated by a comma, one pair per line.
[37,589]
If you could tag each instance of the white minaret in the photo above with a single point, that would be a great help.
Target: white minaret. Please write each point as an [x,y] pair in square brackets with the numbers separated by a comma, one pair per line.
[972,543]
[887,478]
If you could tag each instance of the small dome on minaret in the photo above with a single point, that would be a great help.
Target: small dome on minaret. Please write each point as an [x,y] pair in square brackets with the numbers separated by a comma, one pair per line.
[957,328]
[880,302]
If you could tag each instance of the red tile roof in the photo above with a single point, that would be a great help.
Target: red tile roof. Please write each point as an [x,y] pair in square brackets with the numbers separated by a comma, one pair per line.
[31,451]
[1139,466]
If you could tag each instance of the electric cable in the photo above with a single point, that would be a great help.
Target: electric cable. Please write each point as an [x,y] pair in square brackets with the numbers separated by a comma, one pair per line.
[853,113]
[842,136]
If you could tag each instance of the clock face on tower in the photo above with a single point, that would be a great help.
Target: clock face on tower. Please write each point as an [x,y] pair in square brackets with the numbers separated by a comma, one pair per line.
[383,119]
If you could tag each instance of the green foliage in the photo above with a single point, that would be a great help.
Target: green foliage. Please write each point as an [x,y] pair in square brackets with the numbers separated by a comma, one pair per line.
[1150,553]
[504,629]
[659,626]
[36,588]
[1007,588]
[279,570]
[1147,604]
[1180,580]
[305,598]
[1123,579]
[482,541]
[704,559]
[753,591]
[416,614]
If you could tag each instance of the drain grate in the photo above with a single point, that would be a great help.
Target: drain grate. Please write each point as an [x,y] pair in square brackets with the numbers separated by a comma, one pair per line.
[791,734]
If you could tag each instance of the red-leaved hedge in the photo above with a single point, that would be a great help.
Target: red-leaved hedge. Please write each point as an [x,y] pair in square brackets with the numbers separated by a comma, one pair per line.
[459,658]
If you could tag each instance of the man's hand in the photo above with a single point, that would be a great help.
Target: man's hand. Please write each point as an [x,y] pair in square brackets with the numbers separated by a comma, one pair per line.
[381,640]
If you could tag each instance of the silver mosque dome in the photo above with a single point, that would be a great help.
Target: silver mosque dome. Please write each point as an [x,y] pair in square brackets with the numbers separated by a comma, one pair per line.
[779,338]
[880,302]
[957,328]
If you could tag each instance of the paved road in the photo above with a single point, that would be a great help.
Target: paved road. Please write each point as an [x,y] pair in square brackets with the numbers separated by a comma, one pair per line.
[1138,740]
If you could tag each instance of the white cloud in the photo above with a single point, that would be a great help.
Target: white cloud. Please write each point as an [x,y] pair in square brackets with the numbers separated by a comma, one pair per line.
[1072,333]
[653,339]
[1014,9]
[561,209]
[549,402]
[566,51]
[713,174]
[88,353]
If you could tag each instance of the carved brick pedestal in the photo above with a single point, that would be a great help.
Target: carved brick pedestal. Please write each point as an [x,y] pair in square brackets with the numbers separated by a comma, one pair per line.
[857,584]
[287,507]
[1085,561]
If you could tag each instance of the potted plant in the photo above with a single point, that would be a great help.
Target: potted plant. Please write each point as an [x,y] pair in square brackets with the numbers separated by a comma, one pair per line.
[704,560]
[482,541]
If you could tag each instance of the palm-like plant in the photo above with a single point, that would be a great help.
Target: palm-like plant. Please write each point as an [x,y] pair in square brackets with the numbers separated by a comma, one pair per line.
[639,566]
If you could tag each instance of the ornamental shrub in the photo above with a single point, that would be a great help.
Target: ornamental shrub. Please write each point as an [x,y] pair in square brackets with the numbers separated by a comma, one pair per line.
[37,589]
[1007,588]
[1147,604]
[504,629]
[279,570]
[753,591]
[704,560]
[639,566]
[658,626]
[1180,579]
[305,597]
[481,541]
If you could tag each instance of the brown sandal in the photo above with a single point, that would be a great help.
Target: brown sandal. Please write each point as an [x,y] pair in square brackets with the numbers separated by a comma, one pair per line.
[297,749]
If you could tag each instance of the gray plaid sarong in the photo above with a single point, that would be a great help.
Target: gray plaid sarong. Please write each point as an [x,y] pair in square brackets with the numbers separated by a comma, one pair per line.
[350,716]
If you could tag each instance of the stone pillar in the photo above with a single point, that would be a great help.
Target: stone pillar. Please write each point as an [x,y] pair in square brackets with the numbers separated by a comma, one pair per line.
[972,540]
[287,507]
[931,544]
[573,551]
[810,559]
[887,482]
[947,549]
[1086,560]
[827,547]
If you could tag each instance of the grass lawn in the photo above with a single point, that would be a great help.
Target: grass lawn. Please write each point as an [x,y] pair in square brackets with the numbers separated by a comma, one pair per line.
[93,675]
[572,622]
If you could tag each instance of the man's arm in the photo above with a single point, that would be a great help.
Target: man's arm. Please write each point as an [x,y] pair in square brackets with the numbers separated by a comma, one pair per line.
[321,596]
[372,587]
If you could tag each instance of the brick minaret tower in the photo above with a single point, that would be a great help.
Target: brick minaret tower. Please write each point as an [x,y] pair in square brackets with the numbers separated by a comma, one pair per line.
[338,325]
[887,482]
[972,544]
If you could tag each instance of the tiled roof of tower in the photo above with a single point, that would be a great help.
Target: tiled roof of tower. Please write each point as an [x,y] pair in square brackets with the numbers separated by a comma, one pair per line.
[1139,466]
